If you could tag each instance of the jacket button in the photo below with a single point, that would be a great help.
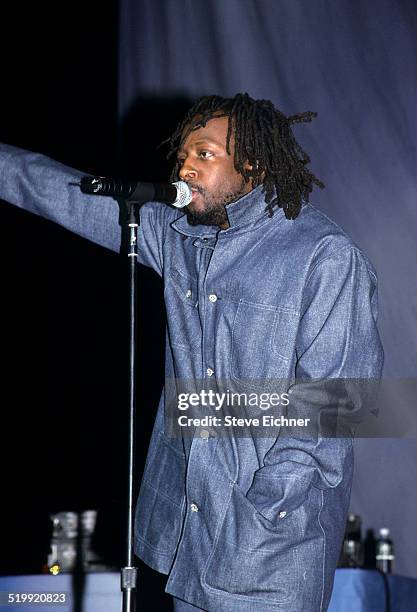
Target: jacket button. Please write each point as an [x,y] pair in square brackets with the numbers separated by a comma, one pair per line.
[210,372]
[282,514]
[194,508]
[188,293]
[213,297]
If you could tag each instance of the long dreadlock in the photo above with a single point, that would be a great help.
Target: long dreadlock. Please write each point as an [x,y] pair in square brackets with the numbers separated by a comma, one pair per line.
[263,137]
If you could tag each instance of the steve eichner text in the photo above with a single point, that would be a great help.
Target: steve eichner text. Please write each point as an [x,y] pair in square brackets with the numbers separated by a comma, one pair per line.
[220,400]
[232,421]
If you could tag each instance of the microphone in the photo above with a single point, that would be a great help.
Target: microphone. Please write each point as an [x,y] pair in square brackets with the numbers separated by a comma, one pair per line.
[178,194]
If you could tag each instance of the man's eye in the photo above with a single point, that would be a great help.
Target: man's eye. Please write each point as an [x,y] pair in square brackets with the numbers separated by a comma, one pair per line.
[205,154]
[180,161]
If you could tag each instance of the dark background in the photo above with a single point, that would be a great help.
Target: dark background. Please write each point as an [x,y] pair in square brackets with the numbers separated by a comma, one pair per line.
[64,305]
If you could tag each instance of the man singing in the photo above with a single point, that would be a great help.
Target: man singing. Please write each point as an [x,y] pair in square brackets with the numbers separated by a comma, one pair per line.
[259,287]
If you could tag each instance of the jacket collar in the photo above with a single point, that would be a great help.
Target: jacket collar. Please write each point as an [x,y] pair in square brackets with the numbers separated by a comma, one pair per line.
[245,212]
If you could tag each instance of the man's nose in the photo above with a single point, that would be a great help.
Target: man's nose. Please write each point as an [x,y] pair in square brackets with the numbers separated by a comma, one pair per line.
[187,172]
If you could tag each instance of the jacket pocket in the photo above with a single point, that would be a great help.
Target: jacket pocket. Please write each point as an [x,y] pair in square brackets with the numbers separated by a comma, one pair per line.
[181,298]
[263,340]
[161,502]
[253,559]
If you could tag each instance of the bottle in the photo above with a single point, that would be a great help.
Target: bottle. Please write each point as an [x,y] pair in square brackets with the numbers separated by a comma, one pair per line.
[352,552]
[384,551]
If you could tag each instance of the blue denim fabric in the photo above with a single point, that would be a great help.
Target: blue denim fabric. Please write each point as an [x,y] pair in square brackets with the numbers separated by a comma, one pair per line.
[239,524]
[183,606]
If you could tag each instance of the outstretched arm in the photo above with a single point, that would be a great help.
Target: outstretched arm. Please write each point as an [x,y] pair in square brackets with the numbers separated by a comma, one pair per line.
[42,186]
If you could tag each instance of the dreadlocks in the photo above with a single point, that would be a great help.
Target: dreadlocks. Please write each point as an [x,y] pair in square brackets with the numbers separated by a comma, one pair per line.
[263,137]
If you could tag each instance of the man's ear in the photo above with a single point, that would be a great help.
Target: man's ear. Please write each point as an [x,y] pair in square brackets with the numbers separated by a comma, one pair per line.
[251,167]
[256,178]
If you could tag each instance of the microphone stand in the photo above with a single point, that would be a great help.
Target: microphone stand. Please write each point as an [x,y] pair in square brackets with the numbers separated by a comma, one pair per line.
[129,214]
[131,196]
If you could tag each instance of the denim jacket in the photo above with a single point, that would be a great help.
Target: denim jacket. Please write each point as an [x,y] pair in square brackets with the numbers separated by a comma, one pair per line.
[238,523]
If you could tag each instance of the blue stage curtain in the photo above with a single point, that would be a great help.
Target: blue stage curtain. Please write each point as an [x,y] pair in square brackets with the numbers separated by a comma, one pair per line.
[355,63]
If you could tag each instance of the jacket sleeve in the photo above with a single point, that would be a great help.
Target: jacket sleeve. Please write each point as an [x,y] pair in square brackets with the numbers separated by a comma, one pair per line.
[339,359]
[43,186]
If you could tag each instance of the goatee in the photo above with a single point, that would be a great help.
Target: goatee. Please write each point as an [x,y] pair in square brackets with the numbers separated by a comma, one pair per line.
[214,212]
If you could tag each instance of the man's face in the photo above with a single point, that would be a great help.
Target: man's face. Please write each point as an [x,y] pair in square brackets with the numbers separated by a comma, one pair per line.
[209,171]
